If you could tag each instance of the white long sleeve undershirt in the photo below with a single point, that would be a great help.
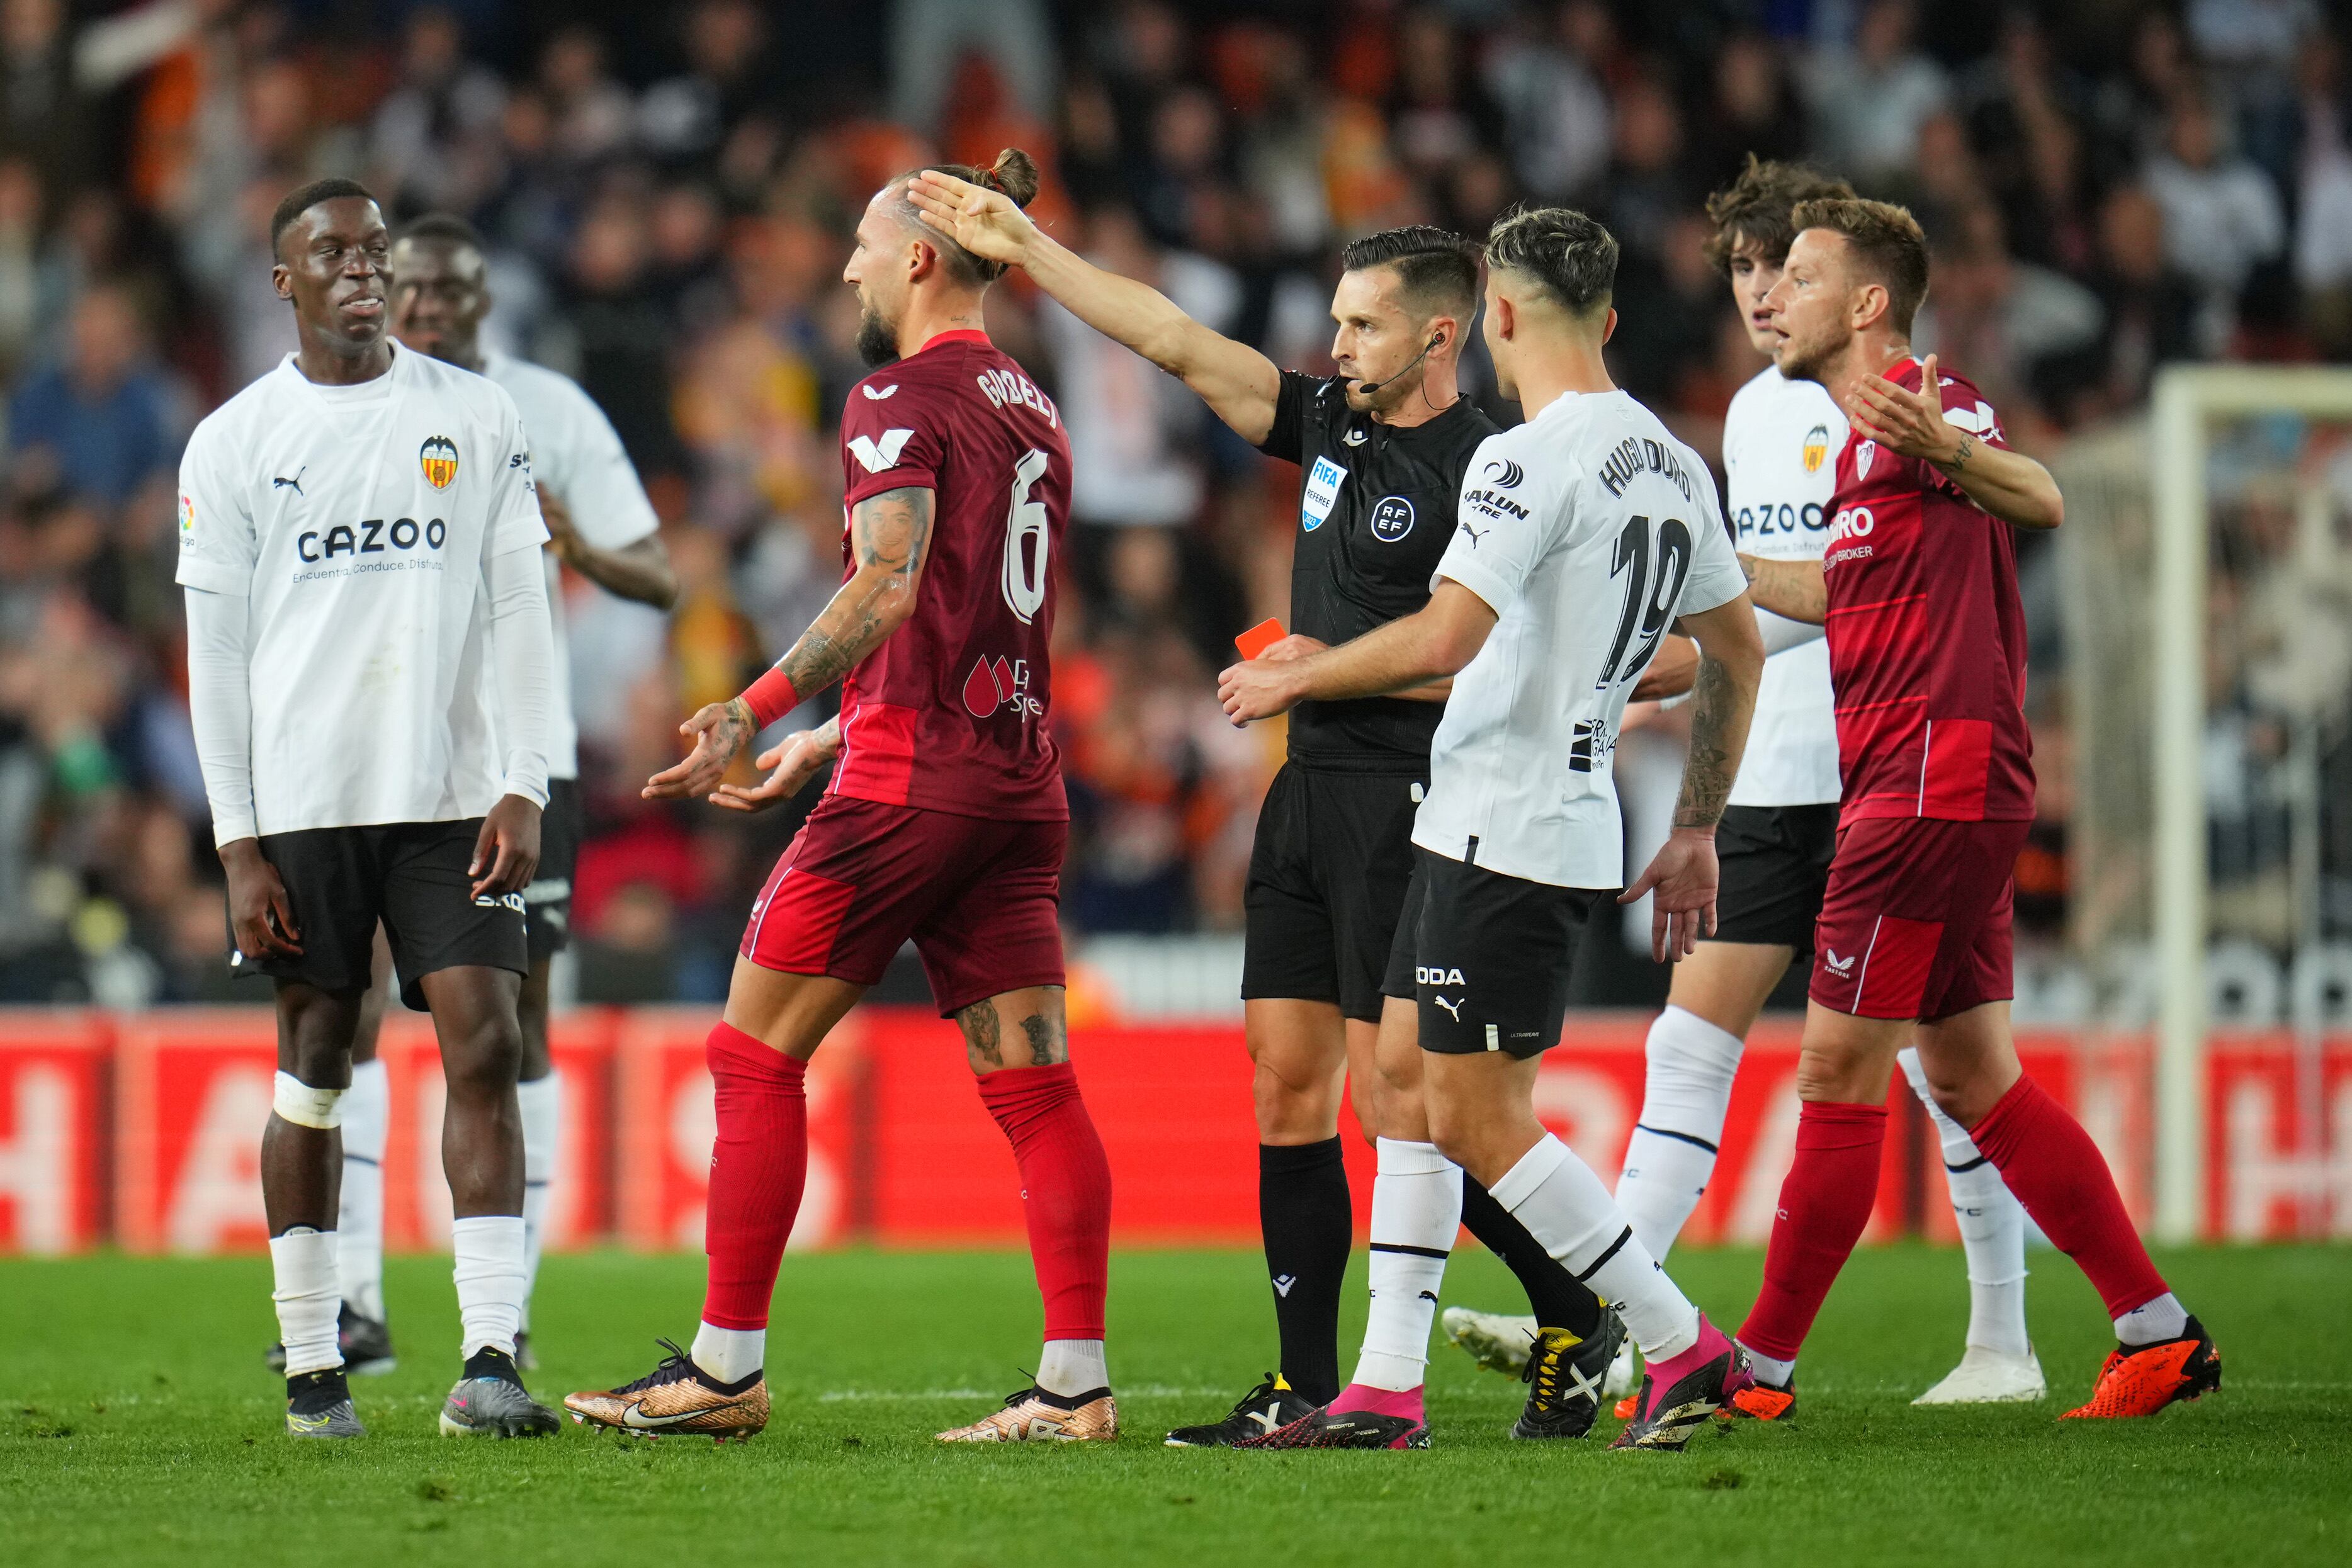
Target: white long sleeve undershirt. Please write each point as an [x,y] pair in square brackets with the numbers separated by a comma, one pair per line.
[522,650]
[220,708]
[1781,633]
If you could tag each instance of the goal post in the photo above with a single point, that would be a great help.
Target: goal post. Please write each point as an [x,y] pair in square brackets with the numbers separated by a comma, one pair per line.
[2187,399]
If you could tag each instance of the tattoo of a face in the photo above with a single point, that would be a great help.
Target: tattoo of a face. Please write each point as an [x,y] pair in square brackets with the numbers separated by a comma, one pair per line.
[978,1022]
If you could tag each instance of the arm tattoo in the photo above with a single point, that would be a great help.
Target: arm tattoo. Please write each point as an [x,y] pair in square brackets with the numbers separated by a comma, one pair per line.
[889,533]
[978,1022]
[1049,1044]
[1714,760]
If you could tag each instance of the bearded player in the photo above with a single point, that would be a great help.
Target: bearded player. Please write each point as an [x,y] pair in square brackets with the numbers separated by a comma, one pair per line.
[945,823]
[1926,642]
[1779,442]
[1384,450]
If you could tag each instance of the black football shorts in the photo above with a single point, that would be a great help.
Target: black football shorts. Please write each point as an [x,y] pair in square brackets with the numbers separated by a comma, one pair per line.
[1775,863]
[1327,883]
[411,876]
[547,902]
[1487,956]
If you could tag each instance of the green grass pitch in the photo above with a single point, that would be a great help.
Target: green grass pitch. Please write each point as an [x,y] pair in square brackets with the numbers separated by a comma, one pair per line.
[140,1426]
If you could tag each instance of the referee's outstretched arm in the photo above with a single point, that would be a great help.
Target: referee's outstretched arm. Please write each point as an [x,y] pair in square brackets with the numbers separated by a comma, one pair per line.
[1239,384]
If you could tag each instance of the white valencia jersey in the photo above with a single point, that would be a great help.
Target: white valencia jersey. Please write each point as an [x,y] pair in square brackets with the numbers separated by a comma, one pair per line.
[1780,444]
[1587,530]
[577,455]
[355,521]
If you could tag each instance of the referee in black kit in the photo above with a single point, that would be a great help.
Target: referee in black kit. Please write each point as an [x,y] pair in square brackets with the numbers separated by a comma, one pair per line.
[1383,447]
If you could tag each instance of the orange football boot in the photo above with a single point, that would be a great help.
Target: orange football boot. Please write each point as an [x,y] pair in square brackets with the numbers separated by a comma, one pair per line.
[2140,1380]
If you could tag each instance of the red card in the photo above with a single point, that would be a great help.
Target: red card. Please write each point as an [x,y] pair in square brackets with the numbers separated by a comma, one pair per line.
[1259,638]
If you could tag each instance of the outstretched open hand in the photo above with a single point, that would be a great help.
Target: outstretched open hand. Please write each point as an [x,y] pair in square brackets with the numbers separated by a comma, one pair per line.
[984,221]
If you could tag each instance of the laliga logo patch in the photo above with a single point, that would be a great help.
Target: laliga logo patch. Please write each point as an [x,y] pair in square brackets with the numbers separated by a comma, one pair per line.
[1816,447]
[187,516]
[1868,450]
[438,458]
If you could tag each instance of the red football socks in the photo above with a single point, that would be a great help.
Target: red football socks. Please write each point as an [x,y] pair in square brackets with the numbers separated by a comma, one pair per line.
[1066,1190]
[758,1166]
[1824,1203]
[2058,1173]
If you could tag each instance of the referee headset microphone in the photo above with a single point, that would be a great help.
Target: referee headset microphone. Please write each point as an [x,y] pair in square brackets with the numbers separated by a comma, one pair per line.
[1366,388]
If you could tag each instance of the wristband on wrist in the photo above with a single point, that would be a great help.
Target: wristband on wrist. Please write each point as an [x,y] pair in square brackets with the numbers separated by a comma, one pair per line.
[771,697]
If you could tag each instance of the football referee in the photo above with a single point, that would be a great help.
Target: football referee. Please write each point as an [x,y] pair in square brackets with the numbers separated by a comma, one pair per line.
[1383,447]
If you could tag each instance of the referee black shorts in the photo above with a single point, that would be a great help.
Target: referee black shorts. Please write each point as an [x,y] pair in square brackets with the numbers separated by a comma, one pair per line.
[547,902]
[411,876]
[1775,863]
[1487,956]
[1326,882]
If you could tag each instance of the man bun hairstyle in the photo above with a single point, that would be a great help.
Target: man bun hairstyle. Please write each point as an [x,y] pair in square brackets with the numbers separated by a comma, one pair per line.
[1437,270]
[1572,257]
[1014,174]
[302,199]
[441,228]
[1887,247]
[1753,213]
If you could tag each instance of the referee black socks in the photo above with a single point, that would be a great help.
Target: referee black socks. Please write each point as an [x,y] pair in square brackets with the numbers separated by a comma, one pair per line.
[1302,1210]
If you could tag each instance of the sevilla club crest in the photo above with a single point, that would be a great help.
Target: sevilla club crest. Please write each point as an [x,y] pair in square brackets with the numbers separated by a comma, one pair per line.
[438,458]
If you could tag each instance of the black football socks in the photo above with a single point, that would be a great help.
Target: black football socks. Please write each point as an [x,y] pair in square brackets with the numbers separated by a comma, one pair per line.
[1558,1298]
[1302,1210]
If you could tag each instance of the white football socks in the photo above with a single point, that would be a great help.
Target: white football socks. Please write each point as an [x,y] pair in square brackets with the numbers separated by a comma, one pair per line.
[302,1268]
[1687,1087]
[542,1100]
[730,1355]
[1993,1227]
[489,1276]
[359,1220]
[1416,1209]
[1073,1366]
[1561,1202]
[2160,1320]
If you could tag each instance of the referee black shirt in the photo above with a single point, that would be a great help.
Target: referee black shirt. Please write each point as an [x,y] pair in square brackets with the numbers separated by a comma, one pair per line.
[1376,509]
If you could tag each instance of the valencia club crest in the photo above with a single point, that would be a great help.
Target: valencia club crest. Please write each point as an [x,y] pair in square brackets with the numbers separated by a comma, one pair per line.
[438,458]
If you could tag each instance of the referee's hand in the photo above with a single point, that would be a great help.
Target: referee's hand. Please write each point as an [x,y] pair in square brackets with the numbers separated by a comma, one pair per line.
[1681,882]
[1259,688]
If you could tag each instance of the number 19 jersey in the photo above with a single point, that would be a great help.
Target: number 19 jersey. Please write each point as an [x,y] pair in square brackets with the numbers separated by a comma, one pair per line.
[1587,530]
[950,713]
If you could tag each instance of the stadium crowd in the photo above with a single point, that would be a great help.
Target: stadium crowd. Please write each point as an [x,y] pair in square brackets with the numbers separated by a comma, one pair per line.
[668,193]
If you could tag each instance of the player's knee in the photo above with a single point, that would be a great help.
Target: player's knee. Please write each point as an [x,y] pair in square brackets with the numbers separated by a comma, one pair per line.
[484,1059]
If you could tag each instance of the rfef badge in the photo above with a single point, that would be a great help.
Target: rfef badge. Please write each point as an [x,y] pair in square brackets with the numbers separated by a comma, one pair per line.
[1322,493]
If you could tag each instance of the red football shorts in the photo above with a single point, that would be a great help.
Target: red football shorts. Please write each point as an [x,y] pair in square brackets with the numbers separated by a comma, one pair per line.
[1915,922]
[978,897]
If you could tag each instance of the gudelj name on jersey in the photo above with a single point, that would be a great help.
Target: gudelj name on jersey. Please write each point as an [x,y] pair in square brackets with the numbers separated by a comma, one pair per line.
[371,537]
[1634,456]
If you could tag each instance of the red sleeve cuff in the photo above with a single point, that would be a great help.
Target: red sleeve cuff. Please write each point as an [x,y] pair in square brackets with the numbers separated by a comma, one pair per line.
[900,478]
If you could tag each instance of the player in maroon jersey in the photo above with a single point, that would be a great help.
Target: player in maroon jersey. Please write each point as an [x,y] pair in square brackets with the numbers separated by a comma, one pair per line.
[1926,639]
[944,825]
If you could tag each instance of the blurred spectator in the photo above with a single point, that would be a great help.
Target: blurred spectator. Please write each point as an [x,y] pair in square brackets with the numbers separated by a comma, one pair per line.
[94,425]
[2150,309]
[2221,214]
[687,119]
[44,117]
[1555,118]
[930,38]
[433,144]
[2323,243]
[1134,431]
[1869,102]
